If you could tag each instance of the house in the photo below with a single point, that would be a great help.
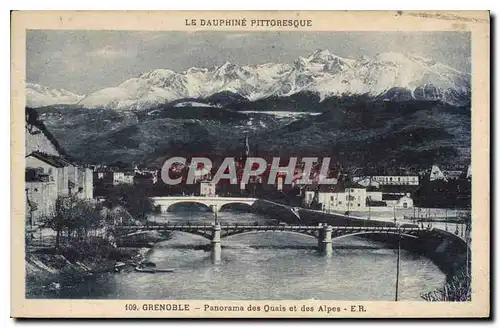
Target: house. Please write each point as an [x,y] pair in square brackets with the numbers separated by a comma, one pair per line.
[49,173]
[123,177]
[397,201]
[207,188]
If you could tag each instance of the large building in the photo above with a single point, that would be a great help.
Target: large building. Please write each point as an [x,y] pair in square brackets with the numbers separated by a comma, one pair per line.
[382,180]
[357,199]
[50,174]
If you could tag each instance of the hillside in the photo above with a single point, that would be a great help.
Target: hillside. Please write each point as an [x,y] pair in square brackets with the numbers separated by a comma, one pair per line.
[377,132]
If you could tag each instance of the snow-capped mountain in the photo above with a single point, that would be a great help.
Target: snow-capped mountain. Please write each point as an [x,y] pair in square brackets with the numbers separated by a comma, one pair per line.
[39,96]
[392,76]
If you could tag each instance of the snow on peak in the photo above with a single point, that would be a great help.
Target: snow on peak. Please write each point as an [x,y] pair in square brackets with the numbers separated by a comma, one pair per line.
[39,96]
[392,57]
[321,72]
[319,53]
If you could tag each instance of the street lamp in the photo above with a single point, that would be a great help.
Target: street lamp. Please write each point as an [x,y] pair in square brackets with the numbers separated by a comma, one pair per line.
[214,210]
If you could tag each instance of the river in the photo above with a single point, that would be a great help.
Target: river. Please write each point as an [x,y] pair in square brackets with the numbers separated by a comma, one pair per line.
[264,265]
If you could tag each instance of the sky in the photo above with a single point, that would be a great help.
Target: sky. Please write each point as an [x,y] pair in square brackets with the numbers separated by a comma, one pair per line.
[86,61]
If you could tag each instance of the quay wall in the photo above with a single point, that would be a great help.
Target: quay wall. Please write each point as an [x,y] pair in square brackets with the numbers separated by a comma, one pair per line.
[448,251]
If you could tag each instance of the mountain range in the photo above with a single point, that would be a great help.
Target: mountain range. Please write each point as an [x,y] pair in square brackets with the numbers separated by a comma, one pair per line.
[386,76]
[39,96]
[393,109]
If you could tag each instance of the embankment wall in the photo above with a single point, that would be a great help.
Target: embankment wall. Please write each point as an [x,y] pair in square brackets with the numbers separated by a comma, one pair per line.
[449,252]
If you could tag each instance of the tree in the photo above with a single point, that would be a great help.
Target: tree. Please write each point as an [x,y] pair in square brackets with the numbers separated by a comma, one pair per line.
[74,215]
[135,199]
[61,218]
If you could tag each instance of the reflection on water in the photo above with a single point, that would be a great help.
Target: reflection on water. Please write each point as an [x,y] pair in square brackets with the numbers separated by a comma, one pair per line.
[265,265]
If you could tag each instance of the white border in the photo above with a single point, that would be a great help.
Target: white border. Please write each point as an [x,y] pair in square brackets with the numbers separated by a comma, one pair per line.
[190,5]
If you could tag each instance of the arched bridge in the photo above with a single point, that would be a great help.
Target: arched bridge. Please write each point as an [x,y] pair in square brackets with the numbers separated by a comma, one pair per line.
[209,201]
[324,233]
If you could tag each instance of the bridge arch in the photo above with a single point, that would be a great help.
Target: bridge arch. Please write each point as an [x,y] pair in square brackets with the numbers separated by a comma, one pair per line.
[250,231]
[208,235]
[373,233]
[235,206]
[173,205]
[214,202]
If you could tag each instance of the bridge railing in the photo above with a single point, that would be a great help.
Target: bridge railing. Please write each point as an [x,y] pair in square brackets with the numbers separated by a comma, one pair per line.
[268,227]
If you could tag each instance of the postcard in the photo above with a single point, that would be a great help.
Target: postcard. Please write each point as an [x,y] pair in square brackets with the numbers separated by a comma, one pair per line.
[250,164]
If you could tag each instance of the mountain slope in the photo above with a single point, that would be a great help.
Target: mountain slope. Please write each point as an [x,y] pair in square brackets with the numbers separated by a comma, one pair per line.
[378,132]
[391,76]
[40,96]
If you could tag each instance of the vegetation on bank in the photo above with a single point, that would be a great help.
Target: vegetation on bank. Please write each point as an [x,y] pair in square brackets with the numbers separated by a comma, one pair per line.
[457,290]
[84,228]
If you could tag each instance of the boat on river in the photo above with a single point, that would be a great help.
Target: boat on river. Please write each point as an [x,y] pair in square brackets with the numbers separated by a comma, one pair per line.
[150,267]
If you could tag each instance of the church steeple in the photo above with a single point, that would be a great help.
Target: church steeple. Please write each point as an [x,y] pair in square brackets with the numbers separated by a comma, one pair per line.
[247,147]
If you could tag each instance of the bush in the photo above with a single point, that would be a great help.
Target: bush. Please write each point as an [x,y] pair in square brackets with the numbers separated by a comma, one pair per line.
[134,199]
[456,290]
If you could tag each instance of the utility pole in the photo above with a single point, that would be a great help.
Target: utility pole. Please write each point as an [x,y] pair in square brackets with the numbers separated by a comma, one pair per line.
[369,208]
[397,265]
[348,201]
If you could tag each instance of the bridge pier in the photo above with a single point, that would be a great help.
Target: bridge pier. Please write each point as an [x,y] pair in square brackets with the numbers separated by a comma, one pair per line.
[325,240]
[216,245]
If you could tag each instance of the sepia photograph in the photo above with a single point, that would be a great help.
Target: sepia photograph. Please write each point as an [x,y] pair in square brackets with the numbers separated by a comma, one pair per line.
[238,165]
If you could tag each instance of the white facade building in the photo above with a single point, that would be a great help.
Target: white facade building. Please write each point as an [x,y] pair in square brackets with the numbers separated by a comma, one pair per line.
[123,177]
[394,180]
[352,199]
[357,200]
[401,201]
[207,188]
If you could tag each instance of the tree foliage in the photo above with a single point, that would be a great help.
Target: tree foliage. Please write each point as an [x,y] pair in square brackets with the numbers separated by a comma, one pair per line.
[134,199]
[80,219]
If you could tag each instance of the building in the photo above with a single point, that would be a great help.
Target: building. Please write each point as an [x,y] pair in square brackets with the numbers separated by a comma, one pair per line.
[123,177]
[357,199]
[207,188]
[381,180]
[49,173]
[397,201]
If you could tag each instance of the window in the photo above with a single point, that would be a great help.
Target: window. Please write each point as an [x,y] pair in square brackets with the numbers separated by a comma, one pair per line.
[359,204]
[340,202]
[405,205]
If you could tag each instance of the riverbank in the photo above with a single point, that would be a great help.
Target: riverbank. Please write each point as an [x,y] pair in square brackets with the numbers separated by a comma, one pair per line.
[447,250]
[48,270]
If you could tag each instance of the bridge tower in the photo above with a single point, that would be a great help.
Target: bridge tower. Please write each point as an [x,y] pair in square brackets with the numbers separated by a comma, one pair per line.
[325,240]
[216,245]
